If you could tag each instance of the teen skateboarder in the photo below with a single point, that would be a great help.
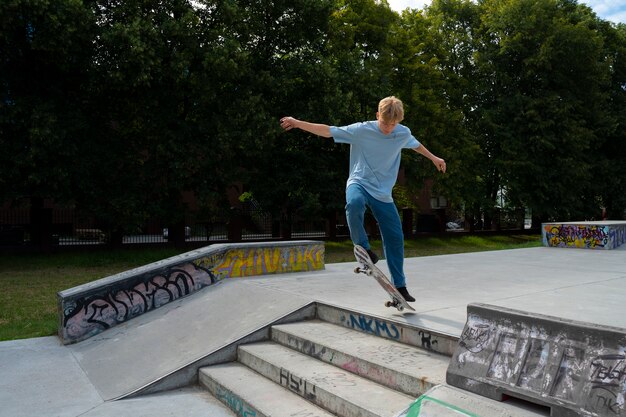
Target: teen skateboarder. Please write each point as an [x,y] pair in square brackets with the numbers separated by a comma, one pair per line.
[375,148]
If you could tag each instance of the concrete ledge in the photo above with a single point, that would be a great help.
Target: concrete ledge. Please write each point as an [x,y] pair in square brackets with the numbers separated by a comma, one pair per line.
[572,367]
[91,308]
[396,330]
[587,235]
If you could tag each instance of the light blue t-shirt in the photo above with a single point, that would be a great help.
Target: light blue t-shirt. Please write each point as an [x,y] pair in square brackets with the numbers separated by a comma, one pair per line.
[374,156]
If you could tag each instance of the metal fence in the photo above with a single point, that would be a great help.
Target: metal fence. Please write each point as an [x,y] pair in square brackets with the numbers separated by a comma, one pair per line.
[68,227]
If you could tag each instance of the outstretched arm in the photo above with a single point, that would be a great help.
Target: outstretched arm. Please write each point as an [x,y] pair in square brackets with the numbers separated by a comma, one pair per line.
[439,162]
[318,129]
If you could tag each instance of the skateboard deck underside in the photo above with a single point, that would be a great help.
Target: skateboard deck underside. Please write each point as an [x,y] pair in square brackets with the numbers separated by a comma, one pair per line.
[368,268]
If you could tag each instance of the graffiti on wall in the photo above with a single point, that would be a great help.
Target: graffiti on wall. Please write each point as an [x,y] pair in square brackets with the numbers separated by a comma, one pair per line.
[588,236]
[380,328]
[559,365]
[90,315]
[118,301]
[576,236]
[234,402]
[617,236]
[251,261]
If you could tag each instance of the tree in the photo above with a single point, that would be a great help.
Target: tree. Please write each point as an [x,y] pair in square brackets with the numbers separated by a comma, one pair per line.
[544,79]
[45,54]
[609,174]
[434,73]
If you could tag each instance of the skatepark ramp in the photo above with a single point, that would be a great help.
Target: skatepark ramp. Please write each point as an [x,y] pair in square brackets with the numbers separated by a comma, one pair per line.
[89,309]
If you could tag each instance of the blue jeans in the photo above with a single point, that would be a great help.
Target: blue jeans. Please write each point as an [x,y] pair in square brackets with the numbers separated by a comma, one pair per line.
[357,199]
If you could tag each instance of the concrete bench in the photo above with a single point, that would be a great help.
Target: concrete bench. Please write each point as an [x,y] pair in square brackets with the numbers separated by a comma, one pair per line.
[91,308]
[588,235]
[574,368]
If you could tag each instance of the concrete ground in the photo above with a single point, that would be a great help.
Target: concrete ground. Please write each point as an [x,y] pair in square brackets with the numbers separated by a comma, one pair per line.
[42,377]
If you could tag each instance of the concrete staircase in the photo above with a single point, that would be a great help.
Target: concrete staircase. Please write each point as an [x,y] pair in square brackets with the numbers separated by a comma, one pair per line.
[315,368]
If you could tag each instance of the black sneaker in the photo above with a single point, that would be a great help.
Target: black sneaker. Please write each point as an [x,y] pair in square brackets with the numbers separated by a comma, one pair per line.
[403,291]
[373,256]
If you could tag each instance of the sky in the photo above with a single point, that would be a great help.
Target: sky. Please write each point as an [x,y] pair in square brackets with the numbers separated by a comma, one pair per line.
[612,10]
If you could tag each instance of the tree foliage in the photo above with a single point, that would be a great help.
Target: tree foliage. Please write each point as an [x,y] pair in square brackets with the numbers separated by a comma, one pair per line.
[123,107]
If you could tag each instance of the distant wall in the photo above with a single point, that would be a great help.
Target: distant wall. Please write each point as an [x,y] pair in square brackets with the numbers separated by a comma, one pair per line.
[91,308]
[587,235]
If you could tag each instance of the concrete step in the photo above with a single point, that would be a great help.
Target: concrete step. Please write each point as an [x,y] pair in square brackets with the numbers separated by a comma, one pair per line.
[334,389]
[447,401]
[401,367]
[397,330]
[248,394]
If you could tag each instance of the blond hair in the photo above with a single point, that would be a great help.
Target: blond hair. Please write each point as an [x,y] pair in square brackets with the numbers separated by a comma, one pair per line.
[391,109]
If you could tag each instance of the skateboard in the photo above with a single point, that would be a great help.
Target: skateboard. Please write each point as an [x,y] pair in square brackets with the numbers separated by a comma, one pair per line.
[368,268]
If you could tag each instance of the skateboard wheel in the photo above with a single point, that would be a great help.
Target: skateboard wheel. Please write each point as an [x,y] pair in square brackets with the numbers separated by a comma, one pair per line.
[357,270]
[388,303]
[400,308]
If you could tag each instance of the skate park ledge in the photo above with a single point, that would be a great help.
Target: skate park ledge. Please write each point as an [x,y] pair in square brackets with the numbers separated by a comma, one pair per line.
[606,234]
[571,367]
[89,309]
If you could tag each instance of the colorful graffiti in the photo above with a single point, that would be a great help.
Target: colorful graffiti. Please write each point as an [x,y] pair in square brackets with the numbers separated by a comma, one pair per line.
[115,300]
[246,262]
[588,236]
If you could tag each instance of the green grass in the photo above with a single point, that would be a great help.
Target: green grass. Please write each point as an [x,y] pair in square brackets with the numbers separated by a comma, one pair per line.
[28,305]
[430,246]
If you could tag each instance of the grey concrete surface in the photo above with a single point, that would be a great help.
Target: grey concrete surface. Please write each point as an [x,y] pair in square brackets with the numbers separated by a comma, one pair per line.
[134,354]
[188,402]
[255,394]
[42,377]
[396,365]
[328,386]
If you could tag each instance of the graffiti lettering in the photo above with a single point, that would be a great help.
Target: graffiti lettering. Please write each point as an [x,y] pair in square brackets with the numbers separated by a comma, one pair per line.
[426,340]
[582,236]
[613,372]
[297,384]
[235,403]
[475,338]
[90,315]
[261,261]
[607,400]
[608,378]
[374,326]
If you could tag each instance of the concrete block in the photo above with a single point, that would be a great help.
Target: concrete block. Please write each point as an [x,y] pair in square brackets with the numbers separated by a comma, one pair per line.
[395,365]
[586,235]
[89,309]
[334,389]
[572,367]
